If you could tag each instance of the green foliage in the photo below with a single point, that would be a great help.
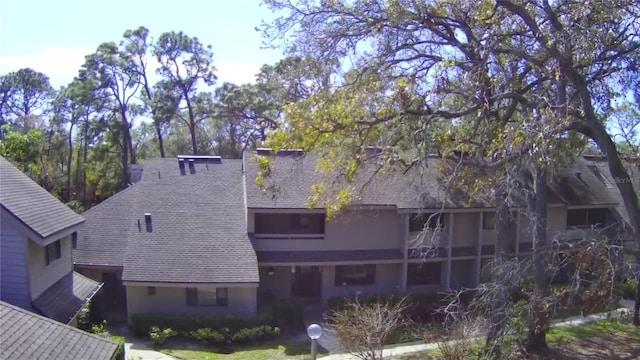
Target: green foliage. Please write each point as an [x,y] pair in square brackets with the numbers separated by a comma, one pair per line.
[628,288]
[23,150]
[99,329]
[142,323]
[159,336]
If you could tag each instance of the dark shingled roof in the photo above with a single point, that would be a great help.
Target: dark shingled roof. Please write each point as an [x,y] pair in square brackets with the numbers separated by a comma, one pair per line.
[328,256]
[198,231]
[62,300]
[422,187]
[28,336]
[33,205]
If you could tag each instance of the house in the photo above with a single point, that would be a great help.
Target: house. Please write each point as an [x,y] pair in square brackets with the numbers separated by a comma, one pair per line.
[37,233]
[174,242]
[27,336]
[197,235]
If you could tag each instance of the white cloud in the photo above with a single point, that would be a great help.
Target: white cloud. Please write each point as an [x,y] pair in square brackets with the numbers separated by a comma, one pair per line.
[61,65]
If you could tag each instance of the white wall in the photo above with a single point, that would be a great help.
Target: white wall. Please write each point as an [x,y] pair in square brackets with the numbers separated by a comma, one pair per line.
[172,300]
[388,280]
[465,229]
[14,271]
[43,276]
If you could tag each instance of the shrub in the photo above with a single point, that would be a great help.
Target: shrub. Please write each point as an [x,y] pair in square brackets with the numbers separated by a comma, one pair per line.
[184,325]
[208,335]
[627,288]
[159,336]
[99,329]
[225,336]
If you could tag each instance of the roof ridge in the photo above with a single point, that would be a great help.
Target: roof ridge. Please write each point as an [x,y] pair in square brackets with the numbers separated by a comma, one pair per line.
[112,197]
[17,308]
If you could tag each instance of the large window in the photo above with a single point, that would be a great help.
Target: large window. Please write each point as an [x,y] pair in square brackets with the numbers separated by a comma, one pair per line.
[355,275]
[586,217]
[418,222]
[52,252]
[488,220]
[424,273]
[289,223]
[207,297]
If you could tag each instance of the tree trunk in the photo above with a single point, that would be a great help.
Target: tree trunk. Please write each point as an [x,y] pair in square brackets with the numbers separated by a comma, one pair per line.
[125,154]
[160,140]
[192,123]
[540,320]
[69,162]
[500,300]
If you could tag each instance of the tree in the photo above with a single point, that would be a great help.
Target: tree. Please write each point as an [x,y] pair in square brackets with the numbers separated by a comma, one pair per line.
[447,59]
[185,63]
[111,72]
[25,92]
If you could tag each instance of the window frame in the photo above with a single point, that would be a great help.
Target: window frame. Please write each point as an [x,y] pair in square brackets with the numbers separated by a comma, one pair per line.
[418,221]
[74,240]
[412,277]
[296,223]
[194,297]
[52,252]
[588,214]
[341,278]
[488,222]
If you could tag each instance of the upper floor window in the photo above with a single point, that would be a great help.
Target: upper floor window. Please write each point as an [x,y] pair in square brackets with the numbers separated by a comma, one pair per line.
[74,240]
[418,222]
[586,217]
[52,252]
[289,223]
[488,220]
[207,297]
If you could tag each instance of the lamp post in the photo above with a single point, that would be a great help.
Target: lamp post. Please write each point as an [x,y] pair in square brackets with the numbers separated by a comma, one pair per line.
[314,331]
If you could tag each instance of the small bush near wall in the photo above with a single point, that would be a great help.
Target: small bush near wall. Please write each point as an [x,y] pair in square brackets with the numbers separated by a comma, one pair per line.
[99,330]
[141,324]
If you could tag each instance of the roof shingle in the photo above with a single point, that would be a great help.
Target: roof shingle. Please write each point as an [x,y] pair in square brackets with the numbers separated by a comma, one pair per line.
[62,300]
[33,205]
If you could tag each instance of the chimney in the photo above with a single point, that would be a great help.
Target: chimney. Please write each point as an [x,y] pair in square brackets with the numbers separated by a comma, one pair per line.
[147,220]
[136,173]
[192,166]
[181,164]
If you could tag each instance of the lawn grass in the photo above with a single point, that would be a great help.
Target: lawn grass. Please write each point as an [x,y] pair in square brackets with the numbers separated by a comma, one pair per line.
[565,334]
[288,349]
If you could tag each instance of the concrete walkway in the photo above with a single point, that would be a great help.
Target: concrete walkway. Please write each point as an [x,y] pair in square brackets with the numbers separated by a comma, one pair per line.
[139,350]
[419,346]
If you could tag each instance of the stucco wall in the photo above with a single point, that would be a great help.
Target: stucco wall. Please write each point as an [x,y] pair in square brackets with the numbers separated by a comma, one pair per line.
[358,230]
[465,229]
[14,272]
[173,300]
[43,276]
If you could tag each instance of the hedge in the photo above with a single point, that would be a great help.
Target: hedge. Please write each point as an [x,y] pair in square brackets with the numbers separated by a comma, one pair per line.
[141,324]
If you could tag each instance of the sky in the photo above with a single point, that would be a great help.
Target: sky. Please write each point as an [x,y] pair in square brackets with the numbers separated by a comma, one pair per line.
[53,36]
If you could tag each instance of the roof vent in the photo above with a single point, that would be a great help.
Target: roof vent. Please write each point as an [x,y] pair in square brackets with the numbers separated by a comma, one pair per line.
[579,175]
[181,164]
[201,159]
[192,166]
[147,220]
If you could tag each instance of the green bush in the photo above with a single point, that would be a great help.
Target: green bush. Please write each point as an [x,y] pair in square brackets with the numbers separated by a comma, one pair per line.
[289,317]
[627,288]
[225,336]
[207,335]
[159,336]
[98,329]
[185,325]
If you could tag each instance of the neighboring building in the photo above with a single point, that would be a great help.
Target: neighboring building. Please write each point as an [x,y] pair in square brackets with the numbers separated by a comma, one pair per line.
[37,233]
[28,336]
[217,243]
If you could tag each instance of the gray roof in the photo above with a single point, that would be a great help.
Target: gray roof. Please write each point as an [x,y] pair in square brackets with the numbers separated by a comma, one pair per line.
[28,336]
[292,177]
[328,256]
[62,300]
[32,205]
[198,235]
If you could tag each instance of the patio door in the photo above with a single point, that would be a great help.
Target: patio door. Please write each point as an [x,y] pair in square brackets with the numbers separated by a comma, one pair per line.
[307,282]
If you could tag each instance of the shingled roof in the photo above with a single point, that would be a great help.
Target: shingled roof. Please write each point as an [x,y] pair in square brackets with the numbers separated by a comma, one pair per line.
[32,205]
[64,299]
[27,336]
[293,174]
[198,226]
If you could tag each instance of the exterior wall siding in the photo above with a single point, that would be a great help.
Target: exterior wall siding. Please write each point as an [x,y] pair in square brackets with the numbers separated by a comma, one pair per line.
[43,276]
[388,278]
[14,272]
[374,229]
[465,229]
[173,301]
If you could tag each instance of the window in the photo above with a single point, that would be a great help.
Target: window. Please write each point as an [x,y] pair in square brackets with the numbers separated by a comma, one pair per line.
[424,274]
[488,220]
[151,290]
[289,223]
[74,239]
[355,275]
[586,217]
[52,252]
[419,221]
[207,297]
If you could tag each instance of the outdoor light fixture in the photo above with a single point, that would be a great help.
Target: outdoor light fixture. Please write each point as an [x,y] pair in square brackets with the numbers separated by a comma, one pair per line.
[314,331]
[270,271]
